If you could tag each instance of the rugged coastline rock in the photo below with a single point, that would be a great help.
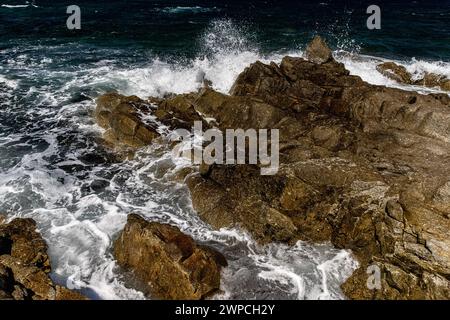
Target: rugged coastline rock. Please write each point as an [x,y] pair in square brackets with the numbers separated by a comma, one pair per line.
[169,262]
[318,51]
[365,167]
[395,72]
[401,75]
[122,119]
[25,265]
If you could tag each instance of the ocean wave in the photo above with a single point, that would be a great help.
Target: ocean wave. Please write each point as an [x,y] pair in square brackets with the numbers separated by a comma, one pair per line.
[12,84]
[196,9]
[364,66]
[12,6]
[226,49]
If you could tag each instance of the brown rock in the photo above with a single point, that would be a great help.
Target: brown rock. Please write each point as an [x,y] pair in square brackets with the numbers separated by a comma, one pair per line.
[168,261]
[337,184]
[20,240]
[24,265]
[433,80]
[348,149]
[122,118]
[66,294]
[400,74]
[445,84]
[395,72]
[318,51]
[394,210]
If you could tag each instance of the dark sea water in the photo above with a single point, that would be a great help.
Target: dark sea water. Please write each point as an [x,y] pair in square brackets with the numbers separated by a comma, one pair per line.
[418,29]
[54,168]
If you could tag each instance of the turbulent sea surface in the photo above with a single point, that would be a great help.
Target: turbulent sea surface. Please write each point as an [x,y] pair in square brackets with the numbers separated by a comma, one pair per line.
[54,168]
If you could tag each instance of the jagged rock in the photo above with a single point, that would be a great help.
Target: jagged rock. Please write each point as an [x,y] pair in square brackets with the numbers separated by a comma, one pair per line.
[318,51]
[122,118]
[395,72]
[365,167]
[2,219]
[24,265]
[434,81]
[347,153]
[20,240]
[168,261]
[396,283]
[400,74]
[177,111]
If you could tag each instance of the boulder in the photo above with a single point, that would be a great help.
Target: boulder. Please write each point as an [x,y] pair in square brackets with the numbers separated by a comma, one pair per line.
[170,263]
[122,118]
[395,72]
[318,51]
[25,265]
[19,239]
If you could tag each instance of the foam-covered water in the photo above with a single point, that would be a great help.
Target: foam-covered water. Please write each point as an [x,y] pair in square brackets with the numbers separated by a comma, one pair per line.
[54,168]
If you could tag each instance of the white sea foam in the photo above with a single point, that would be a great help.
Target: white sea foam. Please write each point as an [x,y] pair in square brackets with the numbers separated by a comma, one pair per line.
[180,9]
[226,52]
[365,67]
[15,6]
[26,5]
[12,84]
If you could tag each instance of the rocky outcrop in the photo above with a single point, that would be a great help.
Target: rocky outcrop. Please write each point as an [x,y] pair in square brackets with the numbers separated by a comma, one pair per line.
[169,262]
[432,80]
[317,51]
[25,265]
[400,74]
[395,72]
[122,117]
[365,167]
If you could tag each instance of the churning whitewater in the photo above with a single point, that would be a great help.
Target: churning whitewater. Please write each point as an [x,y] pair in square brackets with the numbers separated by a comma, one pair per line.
[54,169]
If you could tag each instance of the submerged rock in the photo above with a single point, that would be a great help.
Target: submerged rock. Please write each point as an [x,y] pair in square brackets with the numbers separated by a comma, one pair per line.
[168,261]
[25,265]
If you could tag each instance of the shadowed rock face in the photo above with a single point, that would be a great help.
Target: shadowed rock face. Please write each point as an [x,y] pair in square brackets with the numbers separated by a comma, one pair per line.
[365,167]
[25,265]
[168,261]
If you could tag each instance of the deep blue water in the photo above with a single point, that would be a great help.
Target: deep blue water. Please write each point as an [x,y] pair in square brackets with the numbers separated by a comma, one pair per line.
[418,29]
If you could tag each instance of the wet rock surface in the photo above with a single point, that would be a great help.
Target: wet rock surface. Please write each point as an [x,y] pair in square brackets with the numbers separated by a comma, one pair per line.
[25,265]
[122,119]
[400,74]
[365,167]
[170,263]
